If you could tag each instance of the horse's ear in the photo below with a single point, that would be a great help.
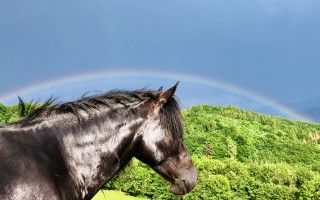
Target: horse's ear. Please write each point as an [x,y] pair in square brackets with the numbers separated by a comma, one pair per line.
[167,95]
[163,98]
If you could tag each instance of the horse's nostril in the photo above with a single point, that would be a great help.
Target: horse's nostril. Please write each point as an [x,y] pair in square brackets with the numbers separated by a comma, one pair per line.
[187,186]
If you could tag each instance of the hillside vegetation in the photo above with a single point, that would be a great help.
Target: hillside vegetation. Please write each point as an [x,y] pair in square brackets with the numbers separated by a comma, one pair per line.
[239,155]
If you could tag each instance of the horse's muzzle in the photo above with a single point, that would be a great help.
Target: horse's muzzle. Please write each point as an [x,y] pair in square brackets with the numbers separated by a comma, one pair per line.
[185,183]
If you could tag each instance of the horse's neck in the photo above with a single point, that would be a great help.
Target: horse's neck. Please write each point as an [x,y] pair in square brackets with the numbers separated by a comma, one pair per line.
[97,151]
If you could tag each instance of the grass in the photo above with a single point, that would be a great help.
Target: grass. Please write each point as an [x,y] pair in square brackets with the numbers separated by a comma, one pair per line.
[114,195]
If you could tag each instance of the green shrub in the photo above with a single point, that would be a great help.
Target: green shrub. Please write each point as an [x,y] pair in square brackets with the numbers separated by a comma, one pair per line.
[269,191]
[211,187]
[310,189]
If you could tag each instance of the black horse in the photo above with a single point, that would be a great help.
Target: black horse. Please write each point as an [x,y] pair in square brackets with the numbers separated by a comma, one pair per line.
[70,150]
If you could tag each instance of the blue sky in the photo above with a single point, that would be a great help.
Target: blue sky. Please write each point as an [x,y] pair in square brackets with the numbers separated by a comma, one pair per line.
[267,48]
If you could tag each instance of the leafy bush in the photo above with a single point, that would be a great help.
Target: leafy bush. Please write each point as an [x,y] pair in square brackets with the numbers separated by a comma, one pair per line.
[211,186]
[8,114]
[310,189]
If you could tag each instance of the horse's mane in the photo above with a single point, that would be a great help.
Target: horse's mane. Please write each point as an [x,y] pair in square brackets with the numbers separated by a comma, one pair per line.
[169,113]
[87,104]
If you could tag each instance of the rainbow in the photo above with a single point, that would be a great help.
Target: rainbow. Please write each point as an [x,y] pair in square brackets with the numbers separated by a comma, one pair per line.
[174,76]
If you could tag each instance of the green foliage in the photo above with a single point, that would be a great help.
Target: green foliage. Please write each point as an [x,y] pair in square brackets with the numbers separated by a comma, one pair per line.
[213,187]
[8,114]
[310,189]
[12,113]
[239,155]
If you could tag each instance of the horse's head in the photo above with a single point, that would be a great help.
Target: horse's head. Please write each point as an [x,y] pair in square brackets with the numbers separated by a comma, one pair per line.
[161,144]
